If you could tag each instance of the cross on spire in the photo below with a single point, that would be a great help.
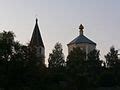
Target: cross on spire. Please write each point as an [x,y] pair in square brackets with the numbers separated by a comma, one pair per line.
[81,27]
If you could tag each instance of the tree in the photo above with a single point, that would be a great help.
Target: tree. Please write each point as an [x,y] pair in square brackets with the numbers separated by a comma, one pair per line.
[18,66]
[76,69]
[6,45]
[93,67]
[56,58]
[112,57]
[56,68]
[11,60]
[75,60]
[93,60]
[33,70]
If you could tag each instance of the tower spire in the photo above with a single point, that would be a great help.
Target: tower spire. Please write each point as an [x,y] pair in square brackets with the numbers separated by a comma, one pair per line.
[36,39]
[36,20]
[81,27]
[36,44]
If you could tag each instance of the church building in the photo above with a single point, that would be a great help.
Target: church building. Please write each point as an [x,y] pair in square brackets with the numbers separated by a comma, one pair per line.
[36,43]
[81,41]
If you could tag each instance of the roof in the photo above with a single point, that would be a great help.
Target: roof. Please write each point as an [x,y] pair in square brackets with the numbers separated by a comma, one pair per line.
[36,39]
[82,39]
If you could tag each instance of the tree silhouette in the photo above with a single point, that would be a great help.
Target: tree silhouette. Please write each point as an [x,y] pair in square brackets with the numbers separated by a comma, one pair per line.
[56,58]
[93,67]
[11,60]
[94,61]
[21,69]
[76,69]
[111,57]
[75,60]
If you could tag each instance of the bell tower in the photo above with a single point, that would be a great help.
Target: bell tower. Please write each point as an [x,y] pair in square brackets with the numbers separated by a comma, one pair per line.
[36,43]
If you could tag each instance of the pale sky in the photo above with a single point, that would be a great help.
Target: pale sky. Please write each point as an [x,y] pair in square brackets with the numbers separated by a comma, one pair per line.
[59,21]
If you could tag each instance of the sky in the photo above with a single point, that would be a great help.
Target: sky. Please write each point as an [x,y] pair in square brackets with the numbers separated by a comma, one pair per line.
[59,21]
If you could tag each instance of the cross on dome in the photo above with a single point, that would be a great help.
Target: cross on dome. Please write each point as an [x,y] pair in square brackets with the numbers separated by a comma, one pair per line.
[81,27]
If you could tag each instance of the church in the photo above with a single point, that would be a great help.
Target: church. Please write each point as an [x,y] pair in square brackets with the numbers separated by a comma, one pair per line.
[37,44]
[81,41]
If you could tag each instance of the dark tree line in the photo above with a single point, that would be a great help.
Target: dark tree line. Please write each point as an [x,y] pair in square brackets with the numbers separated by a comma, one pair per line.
[19,68]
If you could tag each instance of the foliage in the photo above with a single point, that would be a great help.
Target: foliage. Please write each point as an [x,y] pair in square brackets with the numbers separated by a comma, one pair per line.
[18,66]
[93,67]
[21,69]
[93,62]
[75,60]
[56,58]
[111,57]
